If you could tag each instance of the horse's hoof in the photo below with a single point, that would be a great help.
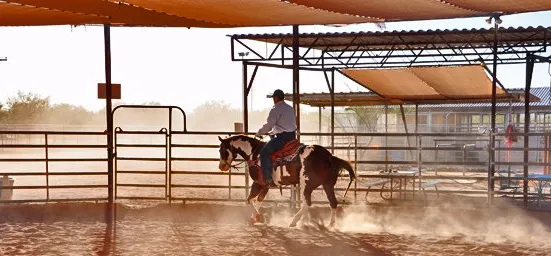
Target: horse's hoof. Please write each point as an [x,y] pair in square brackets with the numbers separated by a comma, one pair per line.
[259,218]
[256,219]
[251,220]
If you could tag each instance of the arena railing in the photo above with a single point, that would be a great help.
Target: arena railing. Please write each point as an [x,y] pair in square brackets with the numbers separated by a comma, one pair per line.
[47,142]
[420,144]
[372,160]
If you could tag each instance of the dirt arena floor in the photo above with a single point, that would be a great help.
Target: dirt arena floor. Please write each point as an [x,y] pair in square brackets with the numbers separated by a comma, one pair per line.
[216,229]
[449,227]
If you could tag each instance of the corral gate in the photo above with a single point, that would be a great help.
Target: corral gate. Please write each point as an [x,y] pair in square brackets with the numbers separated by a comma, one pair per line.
[155,178]
[128,178]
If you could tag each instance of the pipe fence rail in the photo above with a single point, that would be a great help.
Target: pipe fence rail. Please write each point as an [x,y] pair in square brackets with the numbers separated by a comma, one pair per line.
[182,166]
[35,162]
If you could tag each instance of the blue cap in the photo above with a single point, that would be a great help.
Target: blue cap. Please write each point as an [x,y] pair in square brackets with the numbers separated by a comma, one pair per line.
[277,93]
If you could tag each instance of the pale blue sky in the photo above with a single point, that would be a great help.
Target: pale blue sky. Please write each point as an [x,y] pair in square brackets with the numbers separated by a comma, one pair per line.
[179,66]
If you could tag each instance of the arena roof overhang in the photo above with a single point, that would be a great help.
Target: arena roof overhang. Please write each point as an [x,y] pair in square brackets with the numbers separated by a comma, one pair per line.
[214,13]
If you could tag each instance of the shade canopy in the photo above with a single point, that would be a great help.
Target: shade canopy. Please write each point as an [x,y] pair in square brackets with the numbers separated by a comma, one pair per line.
[246,13]
[427,83]
[397,10]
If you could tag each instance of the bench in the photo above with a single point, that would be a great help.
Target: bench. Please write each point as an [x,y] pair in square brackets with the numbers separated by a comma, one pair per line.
[427,184]
[513,184]
[374,183]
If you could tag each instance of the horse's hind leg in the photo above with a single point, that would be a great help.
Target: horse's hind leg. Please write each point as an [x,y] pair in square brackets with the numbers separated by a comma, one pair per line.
[330,192]
[307,193]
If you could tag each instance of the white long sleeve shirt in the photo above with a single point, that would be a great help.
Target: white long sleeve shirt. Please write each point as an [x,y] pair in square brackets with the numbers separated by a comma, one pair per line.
[281,119]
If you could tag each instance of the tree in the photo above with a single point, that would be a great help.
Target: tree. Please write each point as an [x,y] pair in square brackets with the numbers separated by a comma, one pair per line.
[214,116]
[26,107]
[68,114]
[3,113]
[151,103]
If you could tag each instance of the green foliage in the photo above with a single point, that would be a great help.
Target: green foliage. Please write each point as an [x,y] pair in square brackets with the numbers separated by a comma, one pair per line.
[29,108]
[151,103]
[214,116]
[370,116]
[3,113]
[67,114]
[26,107]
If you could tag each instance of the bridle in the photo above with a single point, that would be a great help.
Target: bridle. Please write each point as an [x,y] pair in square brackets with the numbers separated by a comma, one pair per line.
[246,160]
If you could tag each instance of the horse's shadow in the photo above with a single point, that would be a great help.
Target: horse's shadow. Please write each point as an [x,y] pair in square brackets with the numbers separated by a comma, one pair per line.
[316,239]
[312,236]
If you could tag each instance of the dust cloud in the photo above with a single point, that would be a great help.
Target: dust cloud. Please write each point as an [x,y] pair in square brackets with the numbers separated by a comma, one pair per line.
[477,225]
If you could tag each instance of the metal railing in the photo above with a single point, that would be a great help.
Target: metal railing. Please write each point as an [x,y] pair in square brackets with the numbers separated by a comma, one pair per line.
[182,171]
[128,144]
[41,140]
[237,180]
[424,142]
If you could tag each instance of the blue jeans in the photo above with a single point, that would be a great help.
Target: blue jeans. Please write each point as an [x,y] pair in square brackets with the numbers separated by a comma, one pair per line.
[272,146]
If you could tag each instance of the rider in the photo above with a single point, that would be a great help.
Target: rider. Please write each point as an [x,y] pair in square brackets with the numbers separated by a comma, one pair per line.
[281,122]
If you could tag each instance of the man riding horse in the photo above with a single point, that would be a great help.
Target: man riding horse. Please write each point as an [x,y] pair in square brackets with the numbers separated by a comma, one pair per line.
[282,123]
[309,166]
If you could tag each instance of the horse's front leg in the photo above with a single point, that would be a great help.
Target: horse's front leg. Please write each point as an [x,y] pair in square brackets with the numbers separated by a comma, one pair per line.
[259,199]
[255,191]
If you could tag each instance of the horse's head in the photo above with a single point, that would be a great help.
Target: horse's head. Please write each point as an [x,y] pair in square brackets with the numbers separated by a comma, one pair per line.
[236,145]
[227,154]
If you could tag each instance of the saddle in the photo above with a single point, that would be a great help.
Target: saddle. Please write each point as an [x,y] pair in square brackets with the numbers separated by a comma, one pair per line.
[279,158]
[286,153]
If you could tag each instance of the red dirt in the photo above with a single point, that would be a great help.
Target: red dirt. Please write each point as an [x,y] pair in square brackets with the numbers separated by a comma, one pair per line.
[210,229]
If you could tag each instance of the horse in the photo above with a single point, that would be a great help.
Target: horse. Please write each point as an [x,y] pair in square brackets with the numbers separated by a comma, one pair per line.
[310,166]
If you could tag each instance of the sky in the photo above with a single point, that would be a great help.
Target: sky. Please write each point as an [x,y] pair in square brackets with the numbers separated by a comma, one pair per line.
[180,66]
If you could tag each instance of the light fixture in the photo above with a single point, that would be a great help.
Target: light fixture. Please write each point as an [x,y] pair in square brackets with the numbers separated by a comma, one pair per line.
[496,17]
[242,54]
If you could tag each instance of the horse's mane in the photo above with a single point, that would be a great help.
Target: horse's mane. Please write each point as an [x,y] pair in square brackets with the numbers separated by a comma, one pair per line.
[253,141]
[242,136]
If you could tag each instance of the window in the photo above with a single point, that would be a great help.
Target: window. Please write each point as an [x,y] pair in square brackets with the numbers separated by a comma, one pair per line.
[486,119]
[475,119]
[500,119]
[423,119]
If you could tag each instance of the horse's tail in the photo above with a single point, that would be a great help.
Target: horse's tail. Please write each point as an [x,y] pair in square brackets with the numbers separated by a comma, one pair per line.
[339,164]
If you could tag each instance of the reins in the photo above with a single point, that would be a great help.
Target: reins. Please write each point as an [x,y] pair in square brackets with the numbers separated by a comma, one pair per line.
[247,159]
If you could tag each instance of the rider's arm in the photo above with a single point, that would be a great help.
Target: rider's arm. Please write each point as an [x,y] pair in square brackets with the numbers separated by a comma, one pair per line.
[272,118]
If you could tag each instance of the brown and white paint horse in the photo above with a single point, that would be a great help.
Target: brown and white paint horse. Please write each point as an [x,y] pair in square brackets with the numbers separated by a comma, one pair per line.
[313,166]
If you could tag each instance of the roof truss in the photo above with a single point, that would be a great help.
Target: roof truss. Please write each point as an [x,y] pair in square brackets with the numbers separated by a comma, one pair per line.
[394,49]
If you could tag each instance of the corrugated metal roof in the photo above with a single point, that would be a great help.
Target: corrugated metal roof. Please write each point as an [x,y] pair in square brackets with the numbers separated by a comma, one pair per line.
[543,93]
[409,39]
[540,97]
[347,99]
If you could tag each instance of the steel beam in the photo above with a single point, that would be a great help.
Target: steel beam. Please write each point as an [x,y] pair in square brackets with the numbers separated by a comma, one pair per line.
[493,117]
[529,72]
[296,82]
[108,110]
